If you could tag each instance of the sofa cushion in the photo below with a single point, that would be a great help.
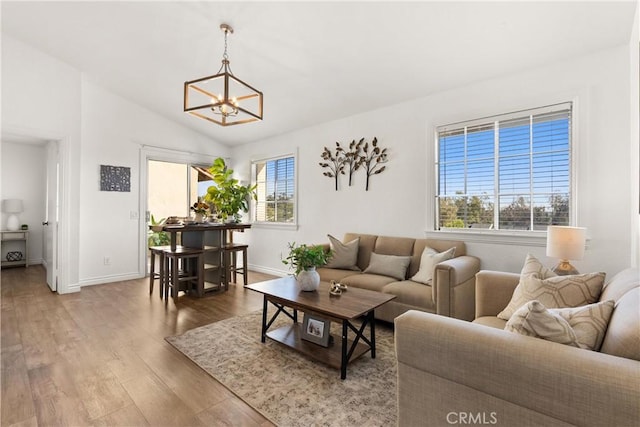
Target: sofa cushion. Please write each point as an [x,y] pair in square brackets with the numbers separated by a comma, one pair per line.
[388,265]
[373,282]
[329,274]
[623,335]
[411,293]
[345,255]
[582,327]
[555,292]
[491,321]
[430,257]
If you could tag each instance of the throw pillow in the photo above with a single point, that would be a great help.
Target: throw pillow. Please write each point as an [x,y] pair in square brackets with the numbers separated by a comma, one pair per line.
[534,320]
[582,327]
[555,292]
[428,261]
[388,265]
[345,255]
[533,266]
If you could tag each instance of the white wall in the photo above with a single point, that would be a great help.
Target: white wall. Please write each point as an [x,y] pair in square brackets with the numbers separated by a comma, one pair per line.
[41,98]
[399,201]
[23,177]
[114,131]
[46,98]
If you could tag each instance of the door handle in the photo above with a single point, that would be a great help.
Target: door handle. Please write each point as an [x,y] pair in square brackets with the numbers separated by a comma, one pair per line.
[45,223]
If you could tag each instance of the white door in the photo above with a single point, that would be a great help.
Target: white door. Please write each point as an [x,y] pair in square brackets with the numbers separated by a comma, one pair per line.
[50,224]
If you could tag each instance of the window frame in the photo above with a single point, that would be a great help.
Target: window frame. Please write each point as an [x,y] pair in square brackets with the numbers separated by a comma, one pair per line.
[505,236]
[269,224]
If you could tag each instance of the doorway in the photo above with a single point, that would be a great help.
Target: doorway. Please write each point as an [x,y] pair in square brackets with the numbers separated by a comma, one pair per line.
[172,187]
[39,192]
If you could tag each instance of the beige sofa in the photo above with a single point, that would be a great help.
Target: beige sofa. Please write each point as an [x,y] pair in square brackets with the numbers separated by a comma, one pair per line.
[450,371]
[451,292]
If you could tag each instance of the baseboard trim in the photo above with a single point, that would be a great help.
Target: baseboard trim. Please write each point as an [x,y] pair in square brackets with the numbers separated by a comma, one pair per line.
[108,279]
[267,270]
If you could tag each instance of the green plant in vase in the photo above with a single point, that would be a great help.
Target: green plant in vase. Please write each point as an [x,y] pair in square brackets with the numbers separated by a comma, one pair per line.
[304,259]
[228,196]
[157,237]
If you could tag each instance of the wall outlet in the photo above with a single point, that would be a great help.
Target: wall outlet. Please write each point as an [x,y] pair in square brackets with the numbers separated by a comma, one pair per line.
[107,260]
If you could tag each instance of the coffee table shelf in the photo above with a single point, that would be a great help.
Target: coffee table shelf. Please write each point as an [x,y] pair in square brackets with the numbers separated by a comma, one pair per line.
[290,335]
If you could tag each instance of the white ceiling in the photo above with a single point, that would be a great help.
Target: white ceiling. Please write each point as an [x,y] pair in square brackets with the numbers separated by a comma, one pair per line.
[314,61]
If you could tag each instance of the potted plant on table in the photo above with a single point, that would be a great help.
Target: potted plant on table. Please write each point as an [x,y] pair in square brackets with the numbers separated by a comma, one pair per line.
[305,259]
[201,210]
[228,196]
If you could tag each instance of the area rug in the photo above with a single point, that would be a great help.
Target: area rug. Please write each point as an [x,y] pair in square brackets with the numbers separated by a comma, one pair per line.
[289,388]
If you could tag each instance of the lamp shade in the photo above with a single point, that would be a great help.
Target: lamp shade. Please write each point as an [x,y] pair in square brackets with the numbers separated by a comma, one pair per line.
[566,243]
[12,206]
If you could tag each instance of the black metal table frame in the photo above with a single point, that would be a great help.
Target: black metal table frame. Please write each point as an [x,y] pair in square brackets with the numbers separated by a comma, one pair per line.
[346,325]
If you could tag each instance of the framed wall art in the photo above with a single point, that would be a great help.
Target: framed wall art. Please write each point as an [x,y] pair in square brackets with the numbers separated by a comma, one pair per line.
[115,178]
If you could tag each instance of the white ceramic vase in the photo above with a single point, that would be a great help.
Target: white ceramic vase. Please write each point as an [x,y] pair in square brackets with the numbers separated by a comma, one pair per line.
[309,279]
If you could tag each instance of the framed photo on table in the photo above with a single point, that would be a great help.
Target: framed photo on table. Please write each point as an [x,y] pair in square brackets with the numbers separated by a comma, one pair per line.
[316,330]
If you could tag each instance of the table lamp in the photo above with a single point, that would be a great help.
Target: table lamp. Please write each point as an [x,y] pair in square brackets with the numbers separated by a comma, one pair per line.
[12,207]
[565,243]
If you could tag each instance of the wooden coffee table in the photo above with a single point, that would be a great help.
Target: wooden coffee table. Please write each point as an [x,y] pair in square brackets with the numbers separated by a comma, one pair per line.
[354,303]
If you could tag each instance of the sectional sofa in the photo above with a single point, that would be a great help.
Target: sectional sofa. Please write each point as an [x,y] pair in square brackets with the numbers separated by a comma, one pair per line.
[450,292]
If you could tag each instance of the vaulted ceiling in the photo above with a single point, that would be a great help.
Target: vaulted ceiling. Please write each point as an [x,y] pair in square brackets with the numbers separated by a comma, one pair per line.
[314,61]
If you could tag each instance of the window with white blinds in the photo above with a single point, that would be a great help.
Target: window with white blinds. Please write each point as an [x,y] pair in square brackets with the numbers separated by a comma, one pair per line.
[508,172]
[276,190]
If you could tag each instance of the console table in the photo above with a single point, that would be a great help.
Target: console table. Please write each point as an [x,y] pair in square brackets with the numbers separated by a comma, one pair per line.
[14,241]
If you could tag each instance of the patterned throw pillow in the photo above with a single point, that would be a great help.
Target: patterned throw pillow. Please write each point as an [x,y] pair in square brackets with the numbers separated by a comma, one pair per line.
[430,257]
[533,266]
[582,327]
[555,292]
[388,265]
[345,255]
[528,289]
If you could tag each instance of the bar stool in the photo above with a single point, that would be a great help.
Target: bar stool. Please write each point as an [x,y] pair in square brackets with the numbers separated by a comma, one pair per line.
[153,274]
[183,266]
[230,261]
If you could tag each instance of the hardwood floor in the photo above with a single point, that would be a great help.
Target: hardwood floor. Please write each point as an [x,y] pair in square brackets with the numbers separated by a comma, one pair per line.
[98,357]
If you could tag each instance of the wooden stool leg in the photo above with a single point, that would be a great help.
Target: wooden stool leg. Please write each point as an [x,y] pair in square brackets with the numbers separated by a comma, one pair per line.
[175,278]
[200,261]
[234,266]
[152,271]
[167,278]
[163,273]
[226,270]
[245,267]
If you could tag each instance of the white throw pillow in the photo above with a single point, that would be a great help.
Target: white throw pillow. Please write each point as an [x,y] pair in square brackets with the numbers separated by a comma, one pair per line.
[388,265]
[582,327]
[428,261]
[345,255]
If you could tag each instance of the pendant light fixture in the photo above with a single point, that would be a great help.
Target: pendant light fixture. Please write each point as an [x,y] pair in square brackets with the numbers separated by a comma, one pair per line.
[223,98]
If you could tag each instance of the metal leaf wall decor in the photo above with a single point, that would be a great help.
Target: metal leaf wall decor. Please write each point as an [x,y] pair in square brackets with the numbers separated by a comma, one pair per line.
[359,156]
[335,163]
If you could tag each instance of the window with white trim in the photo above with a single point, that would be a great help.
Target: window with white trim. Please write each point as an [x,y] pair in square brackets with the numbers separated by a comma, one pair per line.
[276,189]
[507,172]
